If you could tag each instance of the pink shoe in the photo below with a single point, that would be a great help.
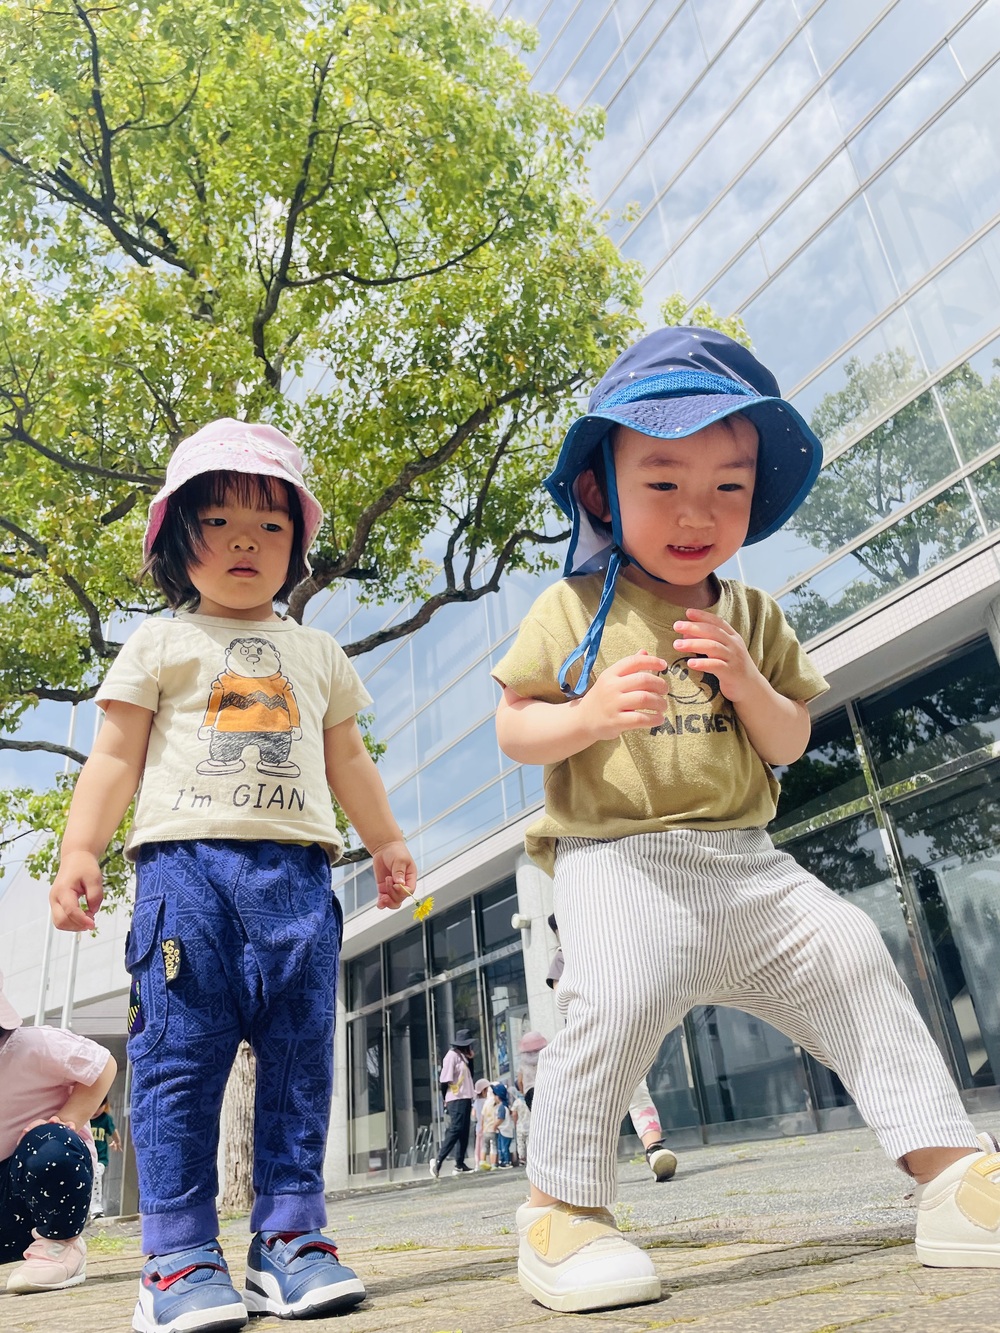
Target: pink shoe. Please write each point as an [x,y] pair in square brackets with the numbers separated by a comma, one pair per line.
[51,1265]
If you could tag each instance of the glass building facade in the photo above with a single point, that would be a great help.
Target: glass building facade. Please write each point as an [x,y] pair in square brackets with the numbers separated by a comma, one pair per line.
[831,172]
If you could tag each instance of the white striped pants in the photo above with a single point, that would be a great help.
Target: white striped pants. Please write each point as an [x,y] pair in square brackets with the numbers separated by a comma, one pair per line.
[656,923]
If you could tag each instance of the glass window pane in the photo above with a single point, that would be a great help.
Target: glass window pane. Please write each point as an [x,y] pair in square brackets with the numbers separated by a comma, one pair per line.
[908,31]
[456,1006]
[472,697]
[464,766]
[948,711]
[364,979]
[837,310]
[940,528]
[496,907]
[971,399]
[414,1082]
[944,187]
[368,1127]
[958,307]
[949,842]
[467,823]
[986,484]
[828,775]
[899,460]
[835,26]
[391,687]
[978,40]
[915,102]
[718,20]
[506,1014]
[405,960]
[850,858]
[669,1082]
[451,938]
[749,1069]
[809,210]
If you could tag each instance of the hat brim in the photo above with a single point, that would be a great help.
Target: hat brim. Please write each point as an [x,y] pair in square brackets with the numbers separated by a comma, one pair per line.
[235,460]
[788,461]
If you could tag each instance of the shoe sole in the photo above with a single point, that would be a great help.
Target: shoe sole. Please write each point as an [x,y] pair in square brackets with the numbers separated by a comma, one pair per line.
[220,1320]
[264,1297]
[665,1169]
[632,1291]
[960,1256]
[21,1289]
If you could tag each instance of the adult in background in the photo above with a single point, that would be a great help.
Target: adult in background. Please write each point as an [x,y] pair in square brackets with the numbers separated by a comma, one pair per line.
[459,1091]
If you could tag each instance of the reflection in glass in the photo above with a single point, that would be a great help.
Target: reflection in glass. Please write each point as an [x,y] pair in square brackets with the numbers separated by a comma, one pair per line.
[943,713]
[456,1006]
[970,396]
[367,1125]
[939,529]
[463,767]
[748,1069]
[958,307]
[978,40]
[849,857]
[466,824]
[506,1015]
[828,775]
[808,210]
[950,844]
[451,937]
[496,909]
[670,1084]
[413,1082]
[405,960]
[913,104]
[364,979]
[894,464]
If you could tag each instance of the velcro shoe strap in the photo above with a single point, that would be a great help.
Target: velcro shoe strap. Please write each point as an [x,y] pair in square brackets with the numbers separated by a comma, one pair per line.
[310,1240]
[564,1231]
[977,1196]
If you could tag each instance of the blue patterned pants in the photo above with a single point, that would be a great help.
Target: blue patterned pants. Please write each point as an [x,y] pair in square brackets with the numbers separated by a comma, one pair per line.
[44,1184]
[230,940]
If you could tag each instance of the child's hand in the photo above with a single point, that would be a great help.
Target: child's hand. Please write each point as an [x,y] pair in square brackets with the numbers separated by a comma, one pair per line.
[719,649]
[395,873]
[629,695]
[79,878]
[52,1120]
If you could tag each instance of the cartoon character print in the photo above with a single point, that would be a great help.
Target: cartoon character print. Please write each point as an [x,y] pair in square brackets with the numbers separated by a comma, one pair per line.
[688,690]
[251,704]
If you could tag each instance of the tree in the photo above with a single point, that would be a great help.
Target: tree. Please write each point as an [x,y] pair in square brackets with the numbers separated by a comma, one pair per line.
[354,220]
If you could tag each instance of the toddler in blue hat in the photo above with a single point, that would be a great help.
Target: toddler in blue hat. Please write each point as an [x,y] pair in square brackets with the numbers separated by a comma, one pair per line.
[658,696]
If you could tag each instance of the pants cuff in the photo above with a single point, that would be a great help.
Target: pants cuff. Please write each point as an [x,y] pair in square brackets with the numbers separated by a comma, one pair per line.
[288,1212]
[163,1233]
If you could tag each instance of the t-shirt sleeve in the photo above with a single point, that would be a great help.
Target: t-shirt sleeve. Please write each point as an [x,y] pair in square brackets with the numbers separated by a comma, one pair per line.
[347,694]
[530,666]
[72,1059]
[786,665]
[134,677]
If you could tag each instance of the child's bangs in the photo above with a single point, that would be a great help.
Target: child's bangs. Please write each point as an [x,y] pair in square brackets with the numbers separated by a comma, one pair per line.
[249,489]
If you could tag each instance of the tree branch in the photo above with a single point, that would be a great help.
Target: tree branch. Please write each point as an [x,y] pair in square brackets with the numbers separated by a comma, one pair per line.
[25,747]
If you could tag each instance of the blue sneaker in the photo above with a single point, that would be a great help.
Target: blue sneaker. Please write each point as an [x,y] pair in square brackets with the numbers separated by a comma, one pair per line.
[299,1278]
[186,1291]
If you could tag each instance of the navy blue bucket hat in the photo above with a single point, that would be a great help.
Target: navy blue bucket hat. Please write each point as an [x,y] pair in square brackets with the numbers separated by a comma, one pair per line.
[669,385]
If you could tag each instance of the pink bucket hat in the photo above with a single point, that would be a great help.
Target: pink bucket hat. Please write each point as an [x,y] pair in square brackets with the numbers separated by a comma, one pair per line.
[9,1017]
[227,445]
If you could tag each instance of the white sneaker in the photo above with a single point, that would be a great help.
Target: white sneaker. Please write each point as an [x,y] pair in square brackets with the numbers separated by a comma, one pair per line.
[435,1167]
[662,1162]
[51,1265]
[958,1214]
[571,1259]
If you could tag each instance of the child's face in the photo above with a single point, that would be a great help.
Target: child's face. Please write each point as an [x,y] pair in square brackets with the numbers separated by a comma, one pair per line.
[247,548]
[685,504]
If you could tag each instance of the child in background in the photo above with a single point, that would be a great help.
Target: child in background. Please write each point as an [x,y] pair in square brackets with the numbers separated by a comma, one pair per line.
[522,1120]
[479,1101]
[490,1130]
[237,723]
[506,1125]
[658,787]
[53,1081]
[105,1136]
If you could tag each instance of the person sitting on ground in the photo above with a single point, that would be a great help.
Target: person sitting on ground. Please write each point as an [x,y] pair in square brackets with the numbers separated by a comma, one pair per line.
[53,1081]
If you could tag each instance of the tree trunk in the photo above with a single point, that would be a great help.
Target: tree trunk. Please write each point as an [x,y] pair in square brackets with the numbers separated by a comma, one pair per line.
[237,1133]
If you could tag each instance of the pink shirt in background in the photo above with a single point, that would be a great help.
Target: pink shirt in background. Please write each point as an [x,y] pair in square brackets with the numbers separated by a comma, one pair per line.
[455,1072]
[39,1067]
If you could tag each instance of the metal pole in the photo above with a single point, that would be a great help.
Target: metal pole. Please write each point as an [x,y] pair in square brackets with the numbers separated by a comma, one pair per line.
[50,930]
[74,948]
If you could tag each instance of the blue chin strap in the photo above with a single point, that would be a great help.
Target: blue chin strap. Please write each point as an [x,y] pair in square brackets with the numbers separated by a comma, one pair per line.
[590,645]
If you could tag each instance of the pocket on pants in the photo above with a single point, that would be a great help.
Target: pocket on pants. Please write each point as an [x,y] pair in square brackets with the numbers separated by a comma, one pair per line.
[144,961]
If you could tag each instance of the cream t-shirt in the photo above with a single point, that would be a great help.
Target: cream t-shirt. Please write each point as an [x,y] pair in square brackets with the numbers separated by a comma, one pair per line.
[697,770]
[236,746]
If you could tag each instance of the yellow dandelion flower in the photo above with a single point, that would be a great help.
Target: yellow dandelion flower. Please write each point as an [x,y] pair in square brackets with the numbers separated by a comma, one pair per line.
[423,909]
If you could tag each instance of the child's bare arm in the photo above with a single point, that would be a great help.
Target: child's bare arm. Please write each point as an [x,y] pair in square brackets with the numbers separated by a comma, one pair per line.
[628,696]
[106,785]
[355,782]
[83,1101]
[778,728]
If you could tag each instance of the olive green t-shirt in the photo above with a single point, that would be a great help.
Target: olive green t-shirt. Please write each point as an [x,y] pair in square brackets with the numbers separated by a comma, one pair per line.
[697,770]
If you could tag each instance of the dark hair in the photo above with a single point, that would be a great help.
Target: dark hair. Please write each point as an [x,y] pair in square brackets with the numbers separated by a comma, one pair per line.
[179,541]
